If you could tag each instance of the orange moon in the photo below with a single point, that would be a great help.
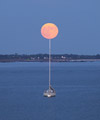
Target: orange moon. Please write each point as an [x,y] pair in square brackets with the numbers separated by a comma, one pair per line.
[49,31]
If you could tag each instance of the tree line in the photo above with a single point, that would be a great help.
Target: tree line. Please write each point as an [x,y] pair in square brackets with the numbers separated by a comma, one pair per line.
[46,56]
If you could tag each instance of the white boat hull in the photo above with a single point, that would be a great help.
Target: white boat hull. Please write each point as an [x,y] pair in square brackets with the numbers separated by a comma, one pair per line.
[49,93]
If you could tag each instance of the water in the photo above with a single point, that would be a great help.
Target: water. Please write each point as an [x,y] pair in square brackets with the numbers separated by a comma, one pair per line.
[77,87]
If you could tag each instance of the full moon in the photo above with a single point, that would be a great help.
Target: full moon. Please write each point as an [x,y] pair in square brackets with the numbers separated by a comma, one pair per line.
[49,31]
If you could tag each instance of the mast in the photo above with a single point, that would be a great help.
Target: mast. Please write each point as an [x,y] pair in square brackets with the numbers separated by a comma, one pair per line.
[49,63]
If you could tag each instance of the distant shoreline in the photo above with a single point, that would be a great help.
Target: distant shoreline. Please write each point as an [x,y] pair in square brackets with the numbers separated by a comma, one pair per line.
[78,60]
[45,58]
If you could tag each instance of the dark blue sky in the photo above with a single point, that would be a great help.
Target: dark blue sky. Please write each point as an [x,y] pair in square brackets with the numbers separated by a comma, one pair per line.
[78,22]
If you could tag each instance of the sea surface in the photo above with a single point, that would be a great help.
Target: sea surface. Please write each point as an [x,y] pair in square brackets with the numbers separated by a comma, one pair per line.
[77,86]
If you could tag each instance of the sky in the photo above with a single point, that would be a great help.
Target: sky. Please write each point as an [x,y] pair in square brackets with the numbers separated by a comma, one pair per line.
[78,22]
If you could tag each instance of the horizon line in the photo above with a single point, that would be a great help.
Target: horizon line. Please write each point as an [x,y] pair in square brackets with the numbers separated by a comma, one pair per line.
[48,54]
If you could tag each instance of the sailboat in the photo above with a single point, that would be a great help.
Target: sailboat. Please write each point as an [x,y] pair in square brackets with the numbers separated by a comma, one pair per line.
[50,92]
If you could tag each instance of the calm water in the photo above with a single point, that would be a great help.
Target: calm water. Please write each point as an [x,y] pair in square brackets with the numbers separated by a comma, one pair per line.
[77,86]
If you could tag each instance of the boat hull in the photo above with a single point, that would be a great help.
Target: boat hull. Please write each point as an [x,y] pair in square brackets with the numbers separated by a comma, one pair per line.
[49,93]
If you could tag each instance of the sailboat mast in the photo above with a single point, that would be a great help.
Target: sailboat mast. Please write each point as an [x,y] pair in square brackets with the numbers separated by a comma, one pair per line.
[49,63]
